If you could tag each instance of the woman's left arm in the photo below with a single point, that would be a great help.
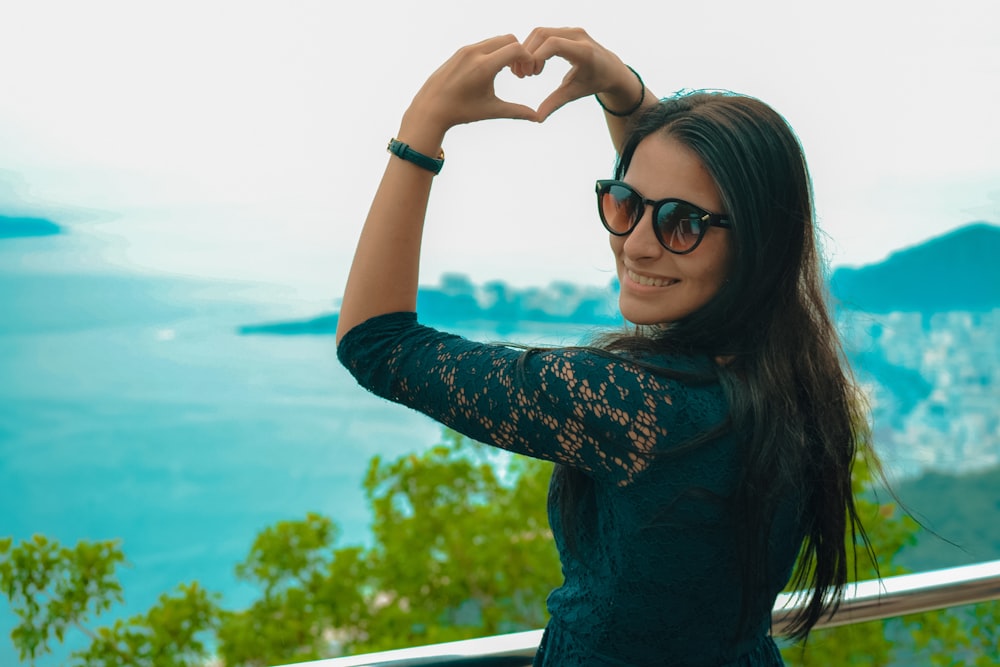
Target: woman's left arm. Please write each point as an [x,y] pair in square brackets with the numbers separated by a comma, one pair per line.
[385,272]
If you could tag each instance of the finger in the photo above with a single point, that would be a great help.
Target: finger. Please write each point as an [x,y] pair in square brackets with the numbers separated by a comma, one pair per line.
[493,43]
[509,54]
[536,37]
[472,53]
[539,35]
[522,68]
[534,40]
[557,99]
[503,109]
[567,49]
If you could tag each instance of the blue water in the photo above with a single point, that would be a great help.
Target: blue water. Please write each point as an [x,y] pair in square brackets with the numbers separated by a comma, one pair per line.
[130,408]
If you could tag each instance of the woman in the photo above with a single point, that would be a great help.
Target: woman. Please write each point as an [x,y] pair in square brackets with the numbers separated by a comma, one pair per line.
[697,456]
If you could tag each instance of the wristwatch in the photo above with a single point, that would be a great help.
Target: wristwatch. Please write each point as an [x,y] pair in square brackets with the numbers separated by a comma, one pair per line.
[399,149]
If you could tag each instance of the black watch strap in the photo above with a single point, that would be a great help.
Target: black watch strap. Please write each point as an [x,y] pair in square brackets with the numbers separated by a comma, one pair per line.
[401,150]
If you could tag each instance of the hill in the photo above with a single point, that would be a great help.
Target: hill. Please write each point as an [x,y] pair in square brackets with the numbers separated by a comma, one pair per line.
[19,227]
[959,508]
[957,271]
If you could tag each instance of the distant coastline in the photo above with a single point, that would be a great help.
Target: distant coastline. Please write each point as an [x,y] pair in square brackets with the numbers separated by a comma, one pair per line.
[14,227]
[458,302]
[957,271]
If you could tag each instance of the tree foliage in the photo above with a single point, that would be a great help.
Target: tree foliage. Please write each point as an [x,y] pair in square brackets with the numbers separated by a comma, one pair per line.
[53,588]
[931,638]
[462,545]
[306,589]
[460,548]
[173,633]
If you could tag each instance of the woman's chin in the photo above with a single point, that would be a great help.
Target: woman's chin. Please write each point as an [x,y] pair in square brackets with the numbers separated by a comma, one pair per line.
[644,314]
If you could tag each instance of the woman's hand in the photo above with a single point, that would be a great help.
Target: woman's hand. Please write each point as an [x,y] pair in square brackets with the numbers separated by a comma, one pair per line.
[462,89]
[593,69]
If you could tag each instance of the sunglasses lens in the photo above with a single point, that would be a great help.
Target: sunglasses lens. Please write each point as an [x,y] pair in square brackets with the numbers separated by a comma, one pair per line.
[620,208]
[679,225]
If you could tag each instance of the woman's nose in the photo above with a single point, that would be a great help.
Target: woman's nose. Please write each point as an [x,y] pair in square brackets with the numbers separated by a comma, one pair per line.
[642,241]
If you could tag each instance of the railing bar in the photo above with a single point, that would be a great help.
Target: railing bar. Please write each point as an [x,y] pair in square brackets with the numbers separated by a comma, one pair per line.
[470,651]
[904,594]
[865,601]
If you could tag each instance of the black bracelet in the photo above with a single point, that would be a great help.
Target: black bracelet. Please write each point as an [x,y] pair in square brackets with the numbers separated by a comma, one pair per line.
[642,98]
[401,150]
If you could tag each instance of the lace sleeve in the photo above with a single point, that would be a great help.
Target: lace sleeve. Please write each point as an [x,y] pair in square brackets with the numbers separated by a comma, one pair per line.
[567,405]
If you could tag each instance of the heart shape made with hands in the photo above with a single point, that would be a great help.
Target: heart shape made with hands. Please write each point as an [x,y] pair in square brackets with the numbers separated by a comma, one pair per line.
[531,90]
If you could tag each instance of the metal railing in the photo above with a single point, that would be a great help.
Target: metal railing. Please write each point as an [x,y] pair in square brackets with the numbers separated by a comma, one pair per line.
[864,601]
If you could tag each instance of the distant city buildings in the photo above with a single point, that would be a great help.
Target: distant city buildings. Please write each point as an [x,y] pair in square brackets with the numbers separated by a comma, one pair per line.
[934,384]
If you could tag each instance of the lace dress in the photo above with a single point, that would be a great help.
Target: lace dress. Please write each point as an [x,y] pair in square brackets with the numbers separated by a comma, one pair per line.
[651,578]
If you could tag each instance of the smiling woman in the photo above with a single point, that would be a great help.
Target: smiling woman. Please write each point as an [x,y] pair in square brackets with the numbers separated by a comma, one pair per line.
[699,454]
[660,284]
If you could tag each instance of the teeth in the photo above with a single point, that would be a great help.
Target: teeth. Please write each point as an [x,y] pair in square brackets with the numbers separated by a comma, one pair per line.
[652,282]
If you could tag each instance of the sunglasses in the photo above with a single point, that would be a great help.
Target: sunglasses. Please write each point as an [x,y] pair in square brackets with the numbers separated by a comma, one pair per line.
[679,225]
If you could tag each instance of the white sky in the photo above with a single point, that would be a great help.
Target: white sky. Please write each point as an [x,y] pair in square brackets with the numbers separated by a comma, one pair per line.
[244,140]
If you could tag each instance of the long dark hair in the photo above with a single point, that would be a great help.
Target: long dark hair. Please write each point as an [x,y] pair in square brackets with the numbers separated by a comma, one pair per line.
[788,387]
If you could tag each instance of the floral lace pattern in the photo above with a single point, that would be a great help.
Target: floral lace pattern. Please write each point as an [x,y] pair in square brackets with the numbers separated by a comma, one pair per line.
[652,578]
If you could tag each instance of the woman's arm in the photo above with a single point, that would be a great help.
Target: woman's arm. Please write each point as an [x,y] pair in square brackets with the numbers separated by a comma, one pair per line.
[385,272]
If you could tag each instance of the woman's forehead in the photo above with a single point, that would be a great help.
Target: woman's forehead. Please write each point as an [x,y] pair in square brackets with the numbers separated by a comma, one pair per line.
[662,167]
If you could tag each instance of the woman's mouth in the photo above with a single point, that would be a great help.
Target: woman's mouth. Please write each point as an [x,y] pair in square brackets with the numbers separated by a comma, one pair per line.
[649,282]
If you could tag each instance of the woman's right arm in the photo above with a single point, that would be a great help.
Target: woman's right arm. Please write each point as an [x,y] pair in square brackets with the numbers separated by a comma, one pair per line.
[384,273]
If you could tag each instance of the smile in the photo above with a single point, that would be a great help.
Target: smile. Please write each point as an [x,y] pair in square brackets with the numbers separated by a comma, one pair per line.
[650,282]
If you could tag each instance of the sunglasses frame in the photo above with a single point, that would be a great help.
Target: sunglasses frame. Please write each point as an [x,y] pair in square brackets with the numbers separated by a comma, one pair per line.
[711,219]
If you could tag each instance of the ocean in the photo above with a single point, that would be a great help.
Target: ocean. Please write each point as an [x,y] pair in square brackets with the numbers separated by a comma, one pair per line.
[130,408]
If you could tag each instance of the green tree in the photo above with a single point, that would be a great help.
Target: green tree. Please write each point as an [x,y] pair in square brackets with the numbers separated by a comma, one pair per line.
[53,588]
[460,548]
[307,589]
[173,633]
[965,635]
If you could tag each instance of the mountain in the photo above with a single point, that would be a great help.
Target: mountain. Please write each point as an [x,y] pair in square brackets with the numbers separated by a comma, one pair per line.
[17,227]
[961,531]
[959,271]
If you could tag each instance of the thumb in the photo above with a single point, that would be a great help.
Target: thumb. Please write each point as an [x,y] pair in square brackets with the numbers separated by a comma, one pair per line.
[504,109]
[558,98]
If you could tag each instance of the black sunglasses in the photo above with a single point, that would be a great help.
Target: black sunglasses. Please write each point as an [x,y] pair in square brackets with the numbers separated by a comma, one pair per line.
[679,225]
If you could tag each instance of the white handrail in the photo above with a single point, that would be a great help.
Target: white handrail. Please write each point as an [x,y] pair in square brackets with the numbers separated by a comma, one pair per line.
[863,601]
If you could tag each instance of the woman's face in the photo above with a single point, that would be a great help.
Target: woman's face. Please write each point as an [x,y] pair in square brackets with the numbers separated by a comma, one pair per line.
[658,286]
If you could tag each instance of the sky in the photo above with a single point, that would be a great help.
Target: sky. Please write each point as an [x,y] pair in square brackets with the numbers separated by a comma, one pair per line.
[244,140]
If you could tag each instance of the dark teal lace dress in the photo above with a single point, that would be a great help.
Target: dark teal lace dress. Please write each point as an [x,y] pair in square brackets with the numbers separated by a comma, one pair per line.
[651,578]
